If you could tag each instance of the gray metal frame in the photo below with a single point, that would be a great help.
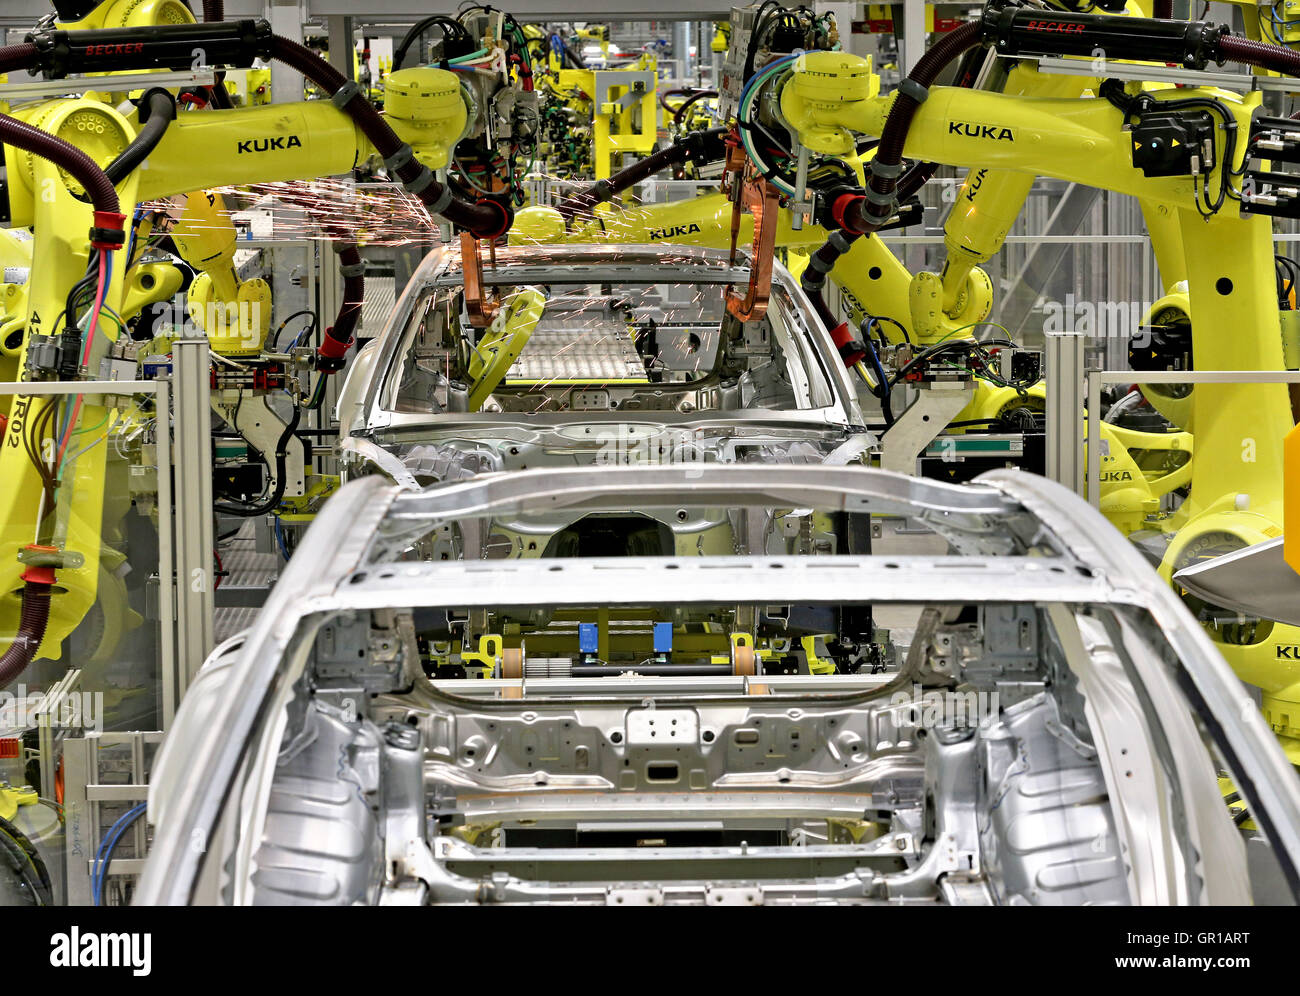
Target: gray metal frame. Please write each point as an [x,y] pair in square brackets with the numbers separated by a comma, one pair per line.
[231,727]
[192,460]
[442,262]
[84,793]
[1063,359]
[47,89]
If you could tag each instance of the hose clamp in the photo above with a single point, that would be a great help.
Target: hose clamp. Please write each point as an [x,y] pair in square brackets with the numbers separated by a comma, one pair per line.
[916,91]
[345,94]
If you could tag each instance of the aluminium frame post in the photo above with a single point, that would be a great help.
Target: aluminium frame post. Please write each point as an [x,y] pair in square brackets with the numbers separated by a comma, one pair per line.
[1065,375]
[192,500]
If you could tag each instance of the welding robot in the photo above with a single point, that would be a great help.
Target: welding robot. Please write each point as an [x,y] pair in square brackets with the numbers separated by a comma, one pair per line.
[1201,152]
[1181,153]
[52,506]
[926,308]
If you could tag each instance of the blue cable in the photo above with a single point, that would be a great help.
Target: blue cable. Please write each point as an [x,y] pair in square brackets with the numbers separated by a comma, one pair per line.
[883,390]
[135,227]
[279,539]
[762,72]
[107,846]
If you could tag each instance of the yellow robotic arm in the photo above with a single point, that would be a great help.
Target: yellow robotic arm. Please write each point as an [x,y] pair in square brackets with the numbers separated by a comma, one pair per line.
[61,505]
[234,313]
[502,343]
[1129,142]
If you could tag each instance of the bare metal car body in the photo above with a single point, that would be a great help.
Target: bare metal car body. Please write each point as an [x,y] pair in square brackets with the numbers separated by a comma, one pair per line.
[583,401]
[301,770]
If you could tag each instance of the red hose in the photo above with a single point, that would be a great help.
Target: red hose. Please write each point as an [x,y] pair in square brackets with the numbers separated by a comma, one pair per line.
[214,10]
[31,631]
[485,219]
[1163,10]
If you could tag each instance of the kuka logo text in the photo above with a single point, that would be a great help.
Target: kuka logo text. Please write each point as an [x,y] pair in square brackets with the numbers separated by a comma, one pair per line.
[972,129]
[673,231]
[268,144]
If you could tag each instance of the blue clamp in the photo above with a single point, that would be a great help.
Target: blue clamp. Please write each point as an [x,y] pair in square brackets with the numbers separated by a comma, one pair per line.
[663,638]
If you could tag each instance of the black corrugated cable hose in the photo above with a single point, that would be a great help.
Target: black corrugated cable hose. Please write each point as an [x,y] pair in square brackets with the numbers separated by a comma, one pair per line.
[215,10]
[1264,56]
[677,91]
[17,57]
[866,214]
[157,112]
[824,259]
[700,146]
[99,188]
[34,617]
[685,104]
[26,863]
[485,219]
[338,337]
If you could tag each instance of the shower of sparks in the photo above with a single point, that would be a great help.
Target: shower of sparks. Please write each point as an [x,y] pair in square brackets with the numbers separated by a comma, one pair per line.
[370,214]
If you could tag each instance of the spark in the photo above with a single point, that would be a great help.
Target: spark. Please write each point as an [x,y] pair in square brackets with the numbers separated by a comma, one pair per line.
[375,214]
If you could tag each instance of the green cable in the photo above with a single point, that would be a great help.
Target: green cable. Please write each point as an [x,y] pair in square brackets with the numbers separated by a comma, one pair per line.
[743,117]
[468,58]
[91,428]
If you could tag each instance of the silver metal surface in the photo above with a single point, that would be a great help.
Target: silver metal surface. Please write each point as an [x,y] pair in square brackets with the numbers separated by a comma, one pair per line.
[666,580]
[335,570]
[45,89]
[1255,580]
[935,405]
[287,22]
[191,458]
[1063,360]
[577,352]
[594,264]
[1240,82]
[102,770]
[678,685]
[27,387]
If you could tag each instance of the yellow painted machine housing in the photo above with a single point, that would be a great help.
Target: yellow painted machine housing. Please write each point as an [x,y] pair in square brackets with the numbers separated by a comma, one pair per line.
[59,260]
[148,283]
[426,108]
[616,129]
[502,343]
[1291,499]
[198,151]
[133,14]
[16,265]
[820,83]
[1174,306]
[1235,493]
[234,313]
